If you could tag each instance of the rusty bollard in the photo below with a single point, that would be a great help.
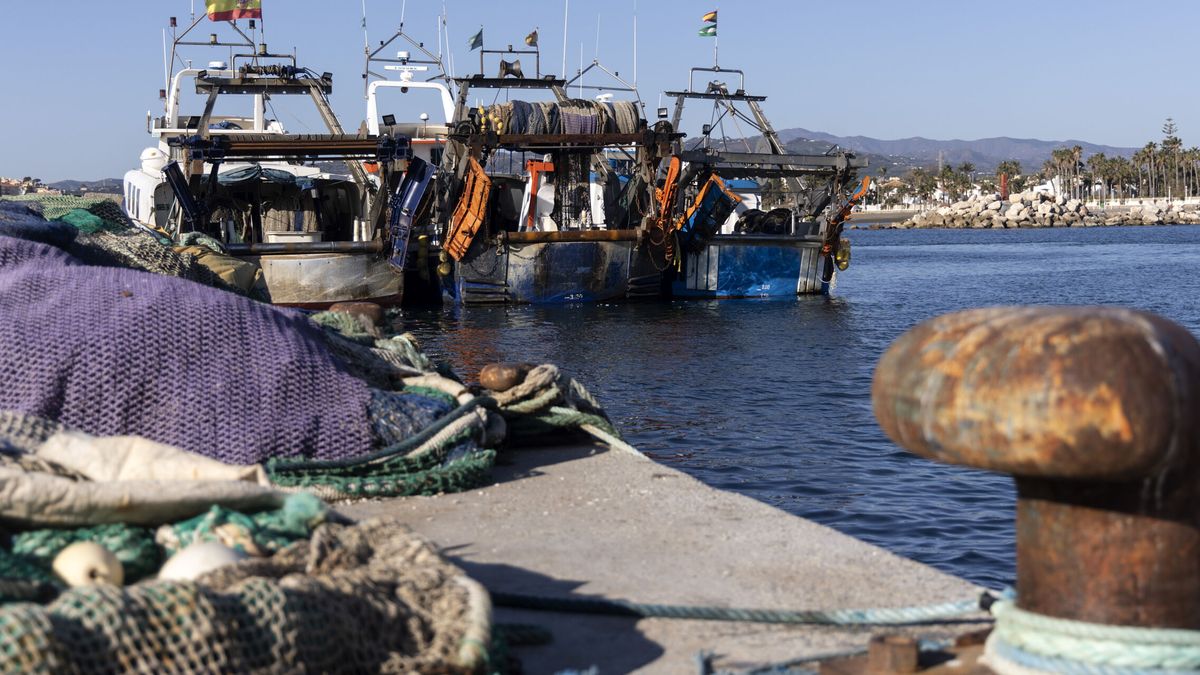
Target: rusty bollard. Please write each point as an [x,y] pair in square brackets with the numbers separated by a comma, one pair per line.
[1093,410]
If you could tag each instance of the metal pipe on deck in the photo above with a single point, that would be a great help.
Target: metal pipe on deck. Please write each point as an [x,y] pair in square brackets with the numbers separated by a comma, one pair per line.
[375,246]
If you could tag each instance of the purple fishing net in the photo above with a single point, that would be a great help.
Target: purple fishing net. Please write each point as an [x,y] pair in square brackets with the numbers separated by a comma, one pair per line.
[116,351]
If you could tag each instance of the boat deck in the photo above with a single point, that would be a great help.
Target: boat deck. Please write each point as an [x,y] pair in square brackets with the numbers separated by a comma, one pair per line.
[595,522]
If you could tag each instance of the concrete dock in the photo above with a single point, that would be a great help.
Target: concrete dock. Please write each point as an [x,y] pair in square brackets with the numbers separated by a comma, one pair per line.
[588,521]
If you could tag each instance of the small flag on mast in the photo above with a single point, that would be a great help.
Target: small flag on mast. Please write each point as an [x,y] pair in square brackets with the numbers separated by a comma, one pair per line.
[709,31]
[476,41]
[232,10]
[711,17]
[531,39]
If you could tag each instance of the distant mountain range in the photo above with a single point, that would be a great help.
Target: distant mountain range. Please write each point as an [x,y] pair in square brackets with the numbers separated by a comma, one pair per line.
[905,153]
[105,185]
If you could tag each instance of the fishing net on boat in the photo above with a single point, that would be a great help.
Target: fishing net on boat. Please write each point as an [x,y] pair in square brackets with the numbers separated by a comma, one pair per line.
[574,116]
[369,597]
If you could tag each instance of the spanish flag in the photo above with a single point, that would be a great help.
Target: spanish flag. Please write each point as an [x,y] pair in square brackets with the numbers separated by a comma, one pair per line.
[711,17]
[231,10]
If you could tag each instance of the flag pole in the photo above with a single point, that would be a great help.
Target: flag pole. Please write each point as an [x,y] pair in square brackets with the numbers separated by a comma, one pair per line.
[716,36]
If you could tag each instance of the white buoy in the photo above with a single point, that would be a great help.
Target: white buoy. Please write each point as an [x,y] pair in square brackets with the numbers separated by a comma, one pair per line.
[87,563]
[198,558]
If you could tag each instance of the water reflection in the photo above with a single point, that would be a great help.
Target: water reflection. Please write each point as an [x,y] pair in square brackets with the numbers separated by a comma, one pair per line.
[771,398]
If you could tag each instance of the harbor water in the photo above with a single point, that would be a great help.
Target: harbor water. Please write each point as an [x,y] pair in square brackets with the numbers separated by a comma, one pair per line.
[772,398]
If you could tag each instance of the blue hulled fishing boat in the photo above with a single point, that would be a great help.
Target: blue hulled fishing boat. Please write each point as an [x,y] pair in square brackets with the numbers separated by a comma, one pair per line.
[761,222]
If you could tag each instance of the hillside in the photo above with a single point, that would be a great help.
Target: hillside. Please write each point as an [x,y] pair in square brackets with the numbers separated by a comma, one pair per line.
[105,185]
[984,153]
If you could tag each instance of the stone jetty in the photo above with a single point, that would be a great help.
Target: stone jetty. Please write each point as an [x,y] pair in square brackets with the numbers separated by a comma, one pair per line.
[1026,209]
[1032,209]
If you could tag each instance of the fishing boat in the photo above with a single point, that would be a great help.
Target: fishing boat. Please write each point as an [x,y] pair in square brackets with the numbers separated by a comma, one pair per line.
[543,202]
[320,236]
[403,81]
[762,222]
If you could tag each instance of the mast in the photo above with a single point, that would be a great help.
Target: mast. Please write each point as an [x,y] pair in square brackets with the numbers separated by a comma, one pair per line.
[566,11]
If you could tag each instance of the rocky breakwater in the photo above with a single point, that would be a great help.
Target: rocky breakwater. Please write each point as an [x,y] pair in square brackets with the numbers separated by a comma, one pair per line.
[1154,214]
[1027,209]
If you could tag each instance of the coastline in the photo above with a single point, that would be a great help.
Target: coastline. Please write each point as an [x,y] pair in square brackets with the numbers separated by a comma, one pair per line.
[1030,212]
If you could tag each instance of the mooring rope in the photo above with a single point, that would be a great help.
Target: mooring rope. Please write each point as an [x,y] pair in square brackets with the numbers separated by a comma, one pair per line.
[1035,641]
[881,616]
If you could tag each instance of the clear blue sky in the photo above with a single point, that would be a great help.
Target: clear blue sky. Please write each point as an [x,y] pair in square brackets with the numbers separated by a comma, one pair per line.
[79,75]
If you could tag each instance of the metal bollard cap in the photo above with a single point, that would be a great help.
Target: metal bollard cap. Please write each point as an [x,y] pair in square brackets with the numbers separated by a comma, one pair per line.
[1094,393]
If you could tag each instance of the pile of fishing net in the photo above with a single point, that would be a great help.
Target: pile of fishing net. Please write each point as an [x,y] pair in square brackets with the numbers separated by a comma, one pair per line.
[106,236]
[305,590]
[360,598]
[318,596]
[574,116]
[54,207]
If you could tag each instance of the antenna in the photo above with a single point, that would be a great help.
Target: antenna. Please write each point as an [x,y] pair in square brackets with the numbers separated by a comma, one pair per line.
[366,41]
[166,69]
[446,27]
[566,11]
[596,53]
[366,49]
[635,44]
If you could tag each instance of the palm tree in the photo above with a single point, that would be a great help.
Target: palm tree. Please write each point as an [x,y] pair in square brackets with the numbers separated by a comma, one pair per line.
[1151,149]
[923,183]
[1010,168]
[1171,147]
[1076,159]
[1100,168]
[1061,160]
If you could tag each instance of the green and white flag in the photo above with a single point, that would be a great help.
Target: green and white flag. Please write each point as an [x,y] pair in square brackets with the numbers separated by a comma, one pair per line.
[476,41]
[709,31]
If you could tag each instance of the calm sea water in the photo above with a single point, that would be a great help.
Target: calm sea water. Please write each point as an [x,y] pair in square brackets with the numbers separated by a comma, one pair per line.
[772,398]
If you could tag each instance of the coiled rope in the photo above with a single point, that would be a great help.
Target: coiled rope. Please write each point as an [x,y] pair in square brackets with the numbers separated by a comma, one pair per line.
[1024,640]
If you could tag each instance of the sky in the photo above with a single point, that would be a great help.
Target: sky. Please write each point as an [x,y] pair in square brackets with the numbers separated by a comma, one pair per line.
[79,76]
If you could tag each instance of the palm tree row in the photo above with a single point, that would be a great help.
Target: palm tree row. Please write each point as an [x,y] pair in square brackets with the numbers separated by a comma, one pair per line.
[1163,169]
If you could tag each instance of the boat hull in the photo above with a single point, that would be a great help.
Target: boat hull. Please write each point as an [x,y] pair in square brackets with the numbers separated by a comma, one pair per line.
[317,280]
[552,268]
[747,266]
